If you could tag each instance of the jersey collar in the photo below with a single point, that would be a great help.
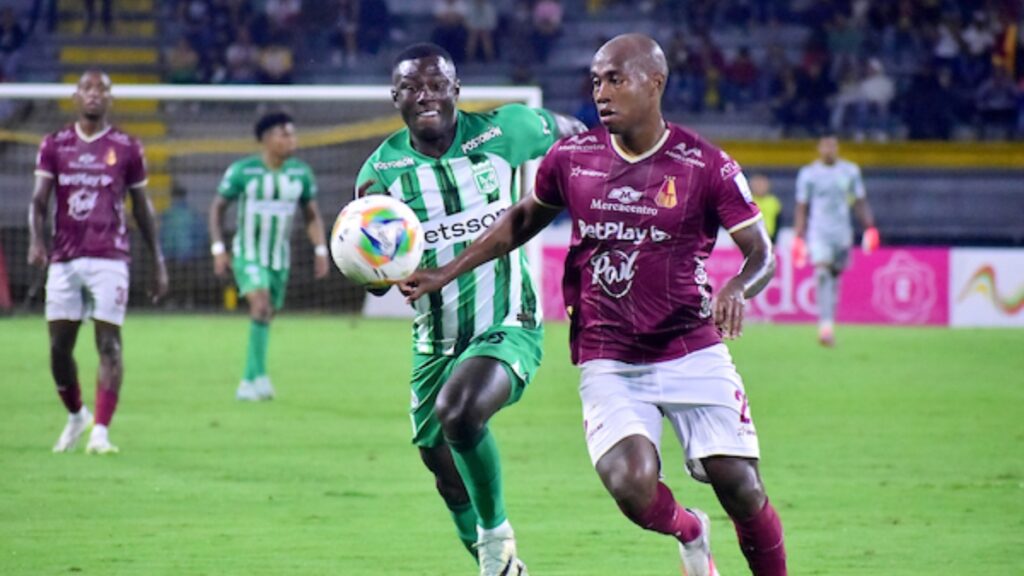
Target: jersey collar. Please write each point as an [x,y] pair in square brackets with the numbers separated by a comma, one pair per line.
[633,159]
[90,139]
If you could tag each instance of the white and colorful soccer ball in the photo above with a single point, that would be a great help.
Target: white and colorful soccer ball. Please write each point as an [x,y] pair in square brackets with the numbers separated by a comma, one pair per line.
[377,240]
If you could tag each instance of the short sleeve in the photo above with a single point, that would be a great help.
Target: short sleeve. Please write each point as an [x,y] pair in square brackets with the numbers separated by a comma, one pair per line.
[548,186]
[530,131]
[802,182]
[230,187]
[46,159]
[731,197]
[135,174]
[367,173]
[858,183]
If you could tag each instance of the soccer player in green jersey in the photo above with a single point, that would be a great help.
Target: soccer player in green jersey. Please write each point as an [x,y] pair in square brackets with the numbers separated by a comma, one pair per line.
[477,343]
[267,188]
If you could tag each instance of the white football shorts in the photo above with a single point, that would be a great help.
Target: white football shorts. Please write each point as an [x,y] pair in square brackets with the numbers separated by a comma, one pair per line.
[701,395]
[87,287]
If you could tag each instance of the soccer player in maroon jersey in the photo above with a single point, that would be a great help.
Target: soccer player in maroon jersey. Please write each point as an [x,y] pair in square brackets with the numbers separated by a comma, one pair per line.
[646,199]
[90,166]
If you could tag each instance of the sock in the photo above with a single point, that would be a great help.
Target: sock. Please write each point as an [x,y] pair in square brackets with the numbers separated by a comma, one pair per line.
[666,516]
[761,541]
[825,295]
[106,404]
[71,396]
[478,464]
[464,516]
[256,358]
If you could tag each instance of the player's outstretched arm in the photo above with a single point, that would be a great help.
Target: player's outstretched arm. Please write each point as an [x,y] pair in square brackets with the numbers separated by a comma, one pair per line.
[513,229]
[315,233]
[145,217]
[568,125]
[37,211]
[862,209]
[221,260]
[758,269]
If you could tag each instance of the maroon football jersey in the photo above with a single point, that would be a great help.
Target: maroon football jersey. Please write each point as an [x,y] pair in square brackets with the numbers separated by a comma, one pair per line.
[642,228]
[91,176]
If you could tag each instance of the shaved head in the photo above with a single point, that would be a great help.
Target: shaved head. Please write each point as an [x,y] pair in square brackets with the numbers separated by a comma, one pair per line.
[637,52]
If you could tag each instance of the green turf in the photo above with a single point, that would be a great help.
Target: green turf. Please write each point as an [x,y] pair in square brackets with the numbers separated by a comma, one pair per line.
[899,452]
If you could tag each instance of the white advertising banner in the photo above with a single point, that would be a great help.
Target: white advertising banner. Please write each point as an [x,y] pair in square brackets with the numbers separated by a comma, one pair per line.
[986,287]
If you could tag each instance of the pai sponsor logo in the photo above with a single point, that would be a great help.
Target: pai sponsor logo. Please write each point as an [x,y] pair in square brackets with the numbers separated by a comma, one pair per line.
[481,139]
[614,272]
[403,162]
[623,199]
[619,231]
[81,203]
[86,162]
[582,143]
[82,179]
[461,227]
[578,171]
[691,156]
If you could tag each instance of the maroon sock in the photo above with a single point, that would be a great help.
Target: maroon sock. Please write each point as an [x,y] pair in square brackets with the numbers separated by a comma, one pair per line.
[761,542]
[666,516]
[106,403]
[71,396]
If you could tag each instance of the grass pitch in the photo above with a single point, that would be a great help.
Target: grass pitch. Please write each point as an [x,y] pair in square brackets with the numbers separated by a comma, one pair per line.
[901,452]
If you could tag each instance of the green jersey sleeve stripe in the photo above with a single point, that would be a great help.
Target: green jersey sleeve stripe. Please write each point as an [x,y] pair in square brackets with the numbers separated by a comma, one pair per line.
[529,297]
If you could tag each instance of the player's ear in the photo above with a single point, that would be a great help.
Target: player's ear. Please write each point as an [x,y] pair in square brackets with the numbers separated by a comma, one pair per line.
[394,97]
[458,88]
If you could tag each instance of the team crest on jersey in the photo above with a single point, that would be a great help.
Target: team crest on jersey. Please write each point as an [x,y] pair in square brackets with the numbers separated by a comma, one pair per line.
[111,157]
[81,203]
[666,197]
[485,177]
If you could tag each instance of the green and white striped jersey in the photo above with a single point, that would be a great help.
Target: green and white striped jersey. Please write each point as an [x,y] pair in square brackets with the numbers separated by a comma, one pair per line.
[457,197]
[266,207]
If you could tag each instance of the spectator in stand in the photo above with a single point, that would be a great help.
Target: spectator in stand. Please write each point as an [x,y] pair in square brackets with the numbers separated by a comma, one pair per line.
[741,77]
[517,36]
[481,20]
[242,59]
[181,63]
[979,38]
[547,26]
[928,106]
[276,64]
[996,104]
[374,25]
[106,13]
[283,14]
[12,38]
[814,89]
[450,28]
[345,37]
[844,43]
[876,93]
[785,100]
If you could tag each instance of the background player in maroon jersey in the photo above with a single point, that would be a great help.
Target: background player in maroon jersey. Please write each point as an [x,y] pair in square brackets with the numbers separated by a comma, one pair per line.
[90,166]
[646,199]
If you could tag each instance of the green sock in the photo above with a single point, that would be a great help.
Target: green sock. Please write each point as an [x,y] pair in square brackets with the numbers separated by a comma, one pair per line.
[465,524]
[480,469]
[256,359]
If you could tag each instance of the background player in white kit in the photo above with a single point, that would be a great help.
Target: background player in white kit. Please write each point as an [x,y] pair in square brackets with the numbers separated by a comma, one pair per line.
[646,199]
[91,167]
[824,191]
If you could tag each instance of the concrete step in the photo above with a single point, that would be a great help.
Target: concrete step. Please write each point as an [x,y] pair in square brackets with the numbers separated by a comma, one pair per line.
[104,56]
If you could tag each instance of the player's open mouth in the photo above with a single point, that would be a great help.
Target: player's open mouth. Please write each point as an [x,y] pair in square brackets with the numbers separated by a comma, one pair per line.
[429,114]
[606,113]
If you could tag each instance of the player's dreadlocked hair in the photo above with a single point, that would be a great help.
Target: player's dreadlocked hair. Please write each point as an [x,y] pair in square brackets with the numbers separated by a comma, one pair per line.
[421,50]
[270,120]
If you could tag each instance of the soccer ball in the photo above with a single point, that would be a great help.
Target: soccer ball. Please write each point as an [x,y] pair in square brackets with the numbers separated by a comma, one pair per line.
[377,240]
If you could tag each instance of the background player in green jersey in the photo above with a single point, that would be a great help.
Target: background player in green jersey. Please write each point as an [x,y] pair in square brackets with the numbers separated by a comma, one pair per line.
[477,343]
[267,188]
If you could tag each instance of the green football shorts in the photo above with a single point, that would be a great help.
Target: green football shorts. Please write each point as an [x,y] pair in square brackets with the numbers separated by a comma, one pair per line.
[518,349]
[252,276]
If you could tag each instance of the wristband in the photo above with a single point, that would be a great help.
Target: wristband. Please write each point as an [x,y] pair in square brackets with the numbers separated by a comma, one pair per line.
[217,248]
[320,250]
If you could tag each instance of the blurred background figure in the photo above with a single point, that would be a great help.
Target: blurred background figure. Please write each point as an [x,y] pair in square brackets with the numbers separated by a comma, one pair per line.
[184,239]
[767,203]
